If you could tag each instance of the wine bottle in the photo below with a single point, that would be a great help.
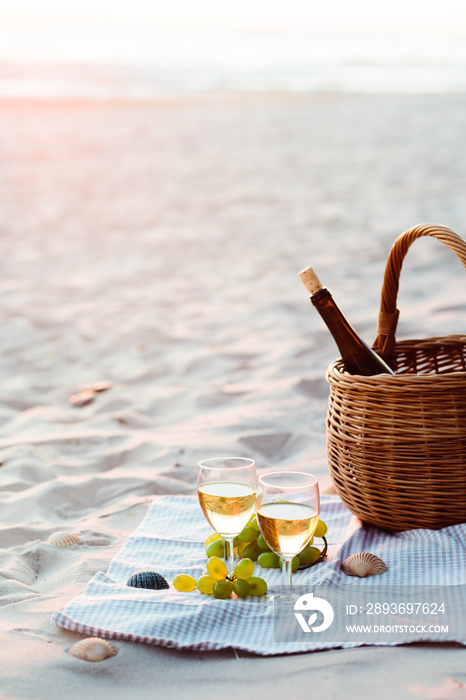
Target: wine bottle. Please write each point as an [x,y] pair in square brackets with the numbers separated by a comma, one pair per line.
[357,357]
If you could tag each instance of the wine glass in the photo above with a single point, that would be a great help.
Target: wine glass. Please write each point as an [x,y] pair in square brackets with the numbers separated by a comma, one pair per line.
[226,488]
[287,505]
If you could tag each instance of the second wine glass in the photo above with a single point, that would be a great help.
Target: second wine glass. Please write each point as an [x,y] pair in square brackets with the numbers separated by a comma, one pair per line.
[287,505]
[226,488]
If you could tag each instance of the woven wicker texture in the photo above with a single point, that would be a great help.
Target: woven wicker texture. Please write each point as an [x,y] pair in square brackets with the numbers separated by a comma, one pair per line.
[396,446]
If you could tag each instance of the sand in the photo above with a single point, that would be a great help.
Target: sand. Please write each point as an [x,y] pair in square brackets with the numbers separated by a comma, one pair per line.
[155,247]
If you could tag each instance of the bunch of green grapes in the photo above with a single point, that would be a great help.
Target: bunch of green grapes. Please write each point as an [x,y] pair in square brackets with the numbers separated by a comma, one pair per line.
[249,547]
[250,544]
[216,581]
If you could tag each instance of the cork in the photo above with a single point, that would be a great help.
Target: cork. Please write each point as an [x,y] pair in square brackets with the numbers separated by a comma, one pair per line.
[310,280]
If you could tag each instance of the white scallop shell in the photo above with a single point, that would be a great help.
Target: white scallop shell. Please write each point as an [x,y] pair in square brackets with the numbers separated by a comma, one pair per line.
[363,564]
[92,649]
[63,539]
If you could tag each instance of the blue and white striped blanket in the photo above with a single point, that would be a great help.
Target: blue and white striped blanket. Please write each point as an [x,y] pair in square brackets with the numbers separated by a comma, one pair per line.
[171,540]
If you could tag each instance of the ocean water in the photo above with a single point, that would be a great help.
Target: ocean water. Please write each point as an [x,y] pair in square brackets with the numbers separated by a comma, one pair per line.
[116,61]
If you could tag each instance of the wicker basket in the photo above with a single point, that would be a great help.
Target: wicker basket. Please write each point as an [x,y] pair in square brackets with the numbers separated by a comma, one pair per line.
[396,446]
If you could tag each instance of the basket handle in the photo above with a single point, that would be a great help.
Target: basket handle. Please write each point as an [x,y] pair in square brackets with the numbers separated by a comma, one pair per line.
[384,343]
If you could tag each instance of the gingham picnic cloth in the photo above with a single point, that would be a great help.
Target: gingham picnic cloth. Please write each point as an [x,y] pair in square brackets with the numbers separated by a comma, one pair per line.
[171,540]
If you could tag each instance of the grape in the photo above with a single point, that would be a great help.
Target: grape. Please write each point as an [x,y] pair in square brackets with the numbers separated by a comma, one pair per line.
[241,547]
[308,556]
[216,549]
[321,529]
[254,524]
[252,551]
[262,544]
[217,568]
[244,569]
[211,538]
[257,586]
[185,583]
[241,588]
[222,589]
[247,534]
[269,560]
[205,584]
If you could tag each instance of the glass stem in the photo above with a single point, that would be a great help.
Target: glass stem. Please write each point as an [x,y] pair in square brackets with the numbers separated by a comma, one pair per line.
[286,575]
[229,555]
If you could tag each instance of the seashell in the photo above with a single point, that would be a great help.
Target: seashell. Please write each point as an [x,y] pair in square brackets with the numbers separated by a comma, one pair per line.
[363,564]
[92,649]
[63,539]
[147,579]
[98,386]
[83,398]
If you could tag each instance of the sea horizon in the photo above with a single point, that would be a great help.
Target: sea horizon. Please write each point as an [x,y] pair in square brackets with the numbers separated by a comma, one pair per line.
[81,61]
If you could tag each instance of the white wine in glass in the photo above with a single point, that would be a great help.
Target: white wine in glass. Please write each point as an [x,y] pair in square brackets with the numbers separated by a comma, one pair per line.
[226,488]
[287,505]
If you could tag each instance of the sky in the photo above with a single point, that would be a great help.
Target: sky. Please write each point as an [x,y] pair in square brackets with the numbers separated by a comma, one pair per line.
[416,16]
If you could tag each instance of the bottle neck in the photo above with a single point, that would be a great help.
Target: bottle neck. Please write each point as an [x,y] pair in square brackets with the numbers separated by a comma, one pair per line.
[358,357]
[334,318]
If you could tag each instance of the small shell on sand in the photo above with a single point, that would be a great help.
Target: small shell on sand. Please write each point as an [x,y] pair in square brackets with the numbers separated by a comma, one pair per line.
[63,539]
[102,385]
[82,398]
[92,649]
[363,564]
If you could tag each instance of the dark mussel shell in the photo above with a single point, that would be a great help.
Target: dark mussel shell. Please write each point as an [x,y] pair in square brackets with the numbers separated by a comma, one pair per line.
[147,579]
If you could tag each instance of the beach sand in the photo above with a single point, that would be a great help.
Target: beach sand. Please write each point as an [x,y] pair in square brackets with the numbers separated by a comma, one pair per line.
[155,247]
